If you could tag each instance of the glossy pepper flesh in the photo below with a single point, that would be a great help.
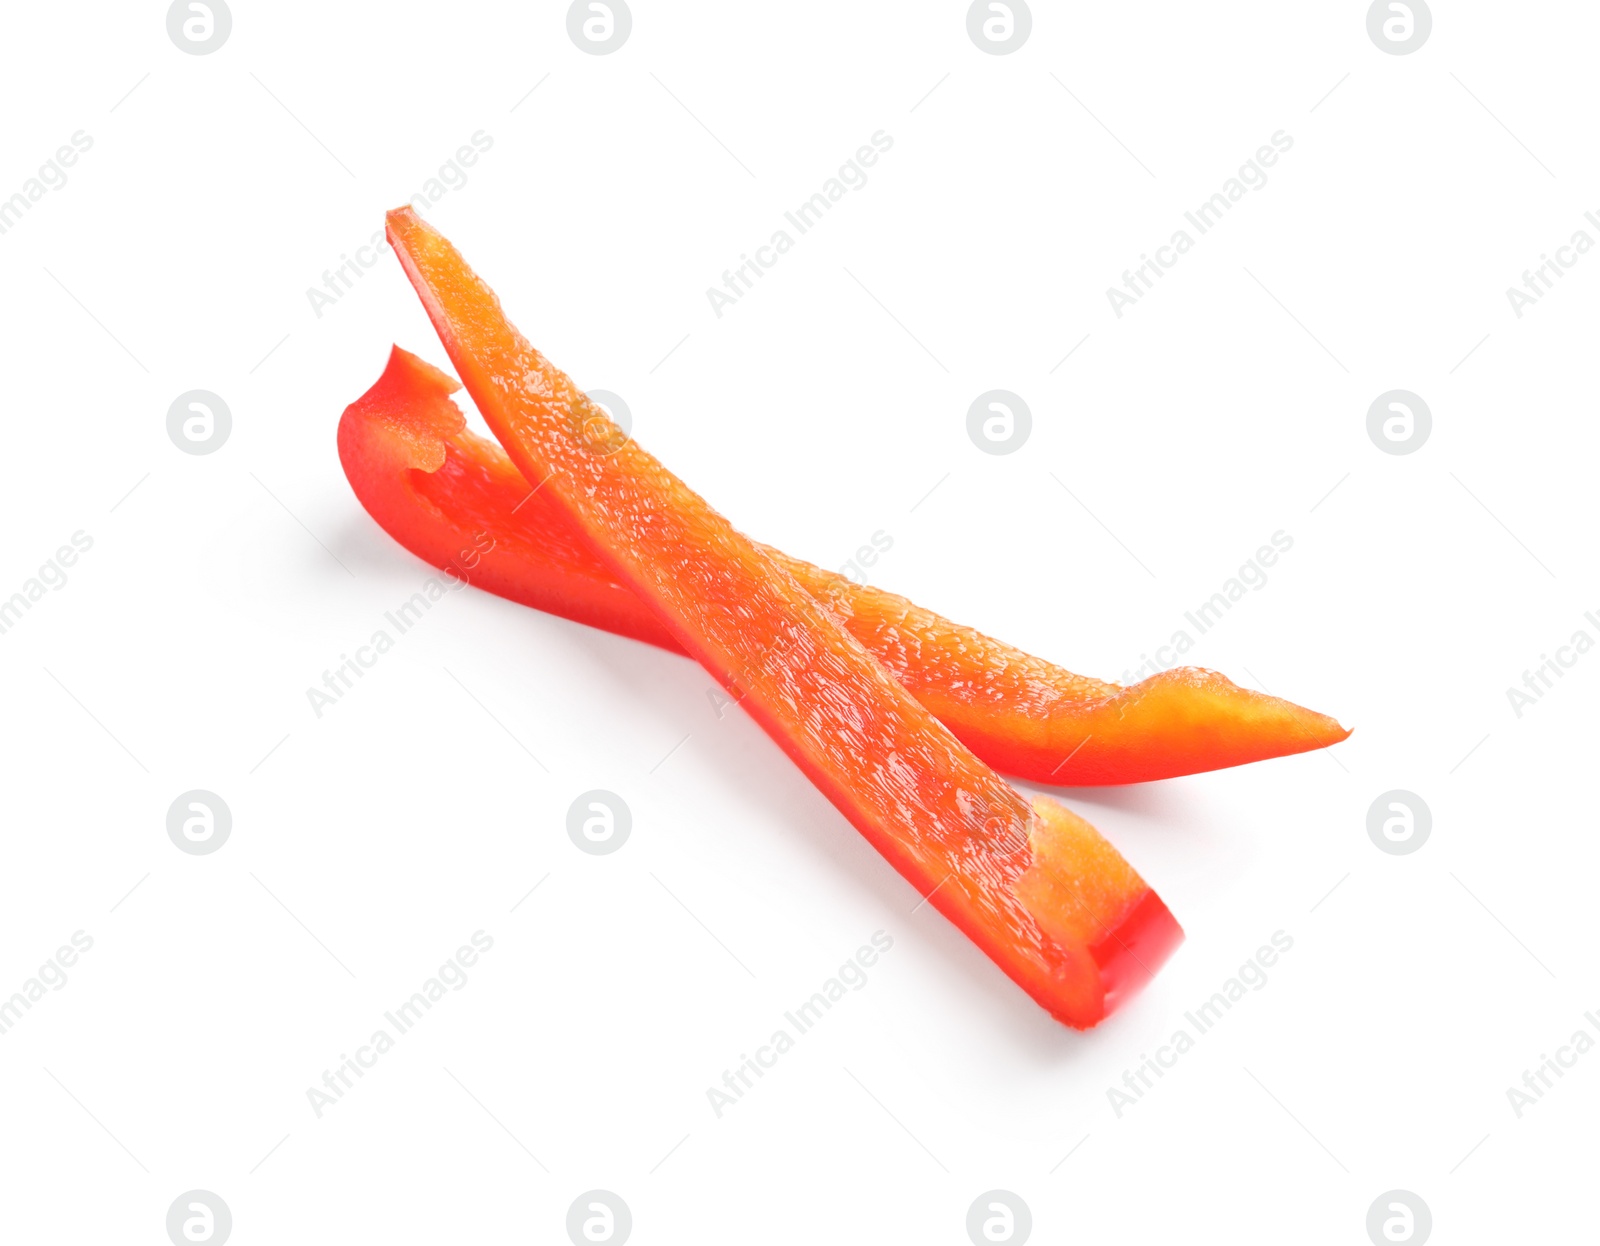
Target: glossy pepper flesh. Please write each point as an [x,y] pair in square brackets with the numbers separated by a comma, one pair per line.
[1037,888]
[449,496]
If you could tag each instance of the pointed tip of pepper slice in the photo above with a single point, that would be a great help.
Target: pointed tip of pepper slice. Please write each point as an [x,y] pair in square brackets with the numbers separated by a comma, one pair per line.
[404,419]
[1208,722]
[1188,720]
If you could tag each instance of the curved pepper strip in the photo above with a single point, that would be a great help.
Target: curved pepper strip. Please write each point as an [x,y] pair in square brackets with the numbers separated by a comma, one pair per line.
[445,494]
[1037,888]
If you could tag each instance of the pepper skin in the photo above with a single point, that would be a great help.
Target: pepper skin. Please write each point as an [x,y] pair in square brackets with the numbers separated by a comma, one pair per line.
[440,491]
[1036,888]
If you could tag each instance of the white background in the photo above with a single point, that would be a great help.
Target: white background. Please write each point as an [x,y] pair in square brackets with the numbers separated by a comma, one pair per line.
[368,844]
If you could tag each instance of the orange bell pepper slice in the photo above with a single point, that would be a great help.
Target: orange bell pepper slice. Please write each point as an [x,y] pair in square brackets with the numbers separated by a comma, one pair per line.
[1037,888]
[441,491]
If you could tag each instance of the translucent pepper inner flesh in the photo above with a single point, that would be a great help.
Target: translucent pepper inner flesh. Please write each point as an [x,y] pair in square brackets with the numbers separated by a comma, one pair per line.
[433,485]
[1042,894]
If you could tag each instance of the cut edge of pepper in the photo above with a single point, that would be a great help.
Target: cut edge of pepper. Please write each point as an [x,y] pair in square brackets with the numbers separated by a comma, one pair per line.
[1069,899]
[1111,929]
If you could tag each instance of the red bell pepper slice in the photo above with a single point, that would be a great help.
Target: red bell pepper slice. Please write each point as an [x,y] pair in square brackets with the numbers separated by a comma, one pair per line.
[1038,889]
[441,491]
